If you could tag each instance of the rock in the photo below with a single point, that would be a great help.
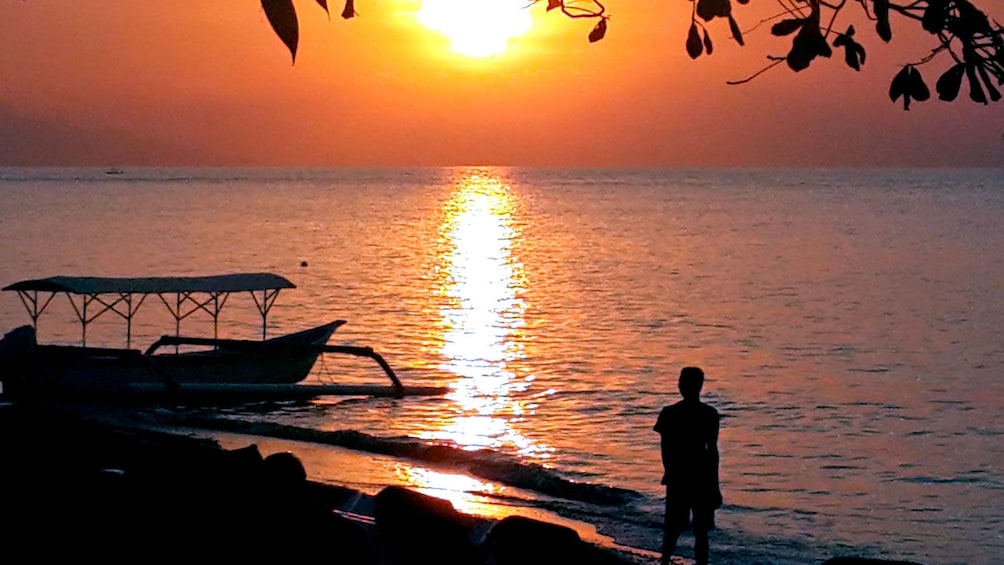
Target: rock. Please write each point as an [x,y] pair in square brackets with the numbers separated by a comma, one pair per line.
[418,528]
[525,541]
[284,469]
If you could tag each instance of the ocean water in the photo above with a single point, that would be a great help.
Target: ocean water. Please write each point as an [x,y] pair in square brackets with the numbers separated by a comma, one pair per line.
[849,323]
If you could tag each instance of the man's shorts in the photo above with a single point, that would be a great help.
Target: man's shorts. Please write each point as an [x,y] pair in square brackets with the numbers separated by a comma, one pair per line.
[678,513]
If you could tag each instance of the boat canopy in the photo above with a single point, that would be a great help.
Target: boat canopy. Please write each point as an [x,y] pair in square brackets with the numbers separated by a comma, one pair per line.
[155,285]
[124,296]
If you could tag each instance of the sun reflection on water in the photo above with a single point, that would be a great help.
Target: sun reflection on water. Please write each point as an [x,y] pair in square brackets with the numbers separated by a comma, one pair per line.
[483,283]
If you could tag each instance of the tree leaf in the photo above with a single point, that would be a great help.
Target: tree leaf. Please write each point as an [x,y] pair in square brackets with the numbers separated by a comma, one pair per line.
[694,45]
[935,16]
[901,87]
[704,9]
[975,90]
[806,46]
[552,4]
[737,33]
[950,82]
[282,16]
[708,47]
[822,47]
[854,54]
[349,11]
[882,17]
[970,20]
[708,9]
[851,58]
[844,38]
[918,88]
[995,94]
[799,57]
[598,31]
[787,27]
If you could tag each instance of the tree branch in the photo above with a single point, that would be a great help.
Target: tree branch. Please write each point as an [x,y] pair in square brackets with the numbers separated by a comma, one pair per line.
[777,61]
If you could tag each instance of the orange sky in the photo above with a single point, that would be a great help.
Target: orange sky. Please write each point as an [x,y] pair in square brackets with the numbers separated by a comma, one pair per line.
[196,82]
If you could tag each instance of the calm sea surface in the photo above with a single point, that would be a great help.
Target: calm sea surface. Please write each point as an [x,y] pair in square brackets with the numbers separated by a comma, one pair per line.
[850,322]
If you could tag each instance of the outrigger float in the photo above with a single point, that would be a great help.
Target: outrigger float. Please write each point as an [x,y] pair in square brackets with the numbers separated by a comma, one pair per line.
[270,368]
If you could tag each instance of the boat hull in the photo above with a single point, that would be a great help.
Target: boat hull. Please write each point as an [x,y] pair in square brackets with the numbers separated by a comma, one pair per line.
[283,360]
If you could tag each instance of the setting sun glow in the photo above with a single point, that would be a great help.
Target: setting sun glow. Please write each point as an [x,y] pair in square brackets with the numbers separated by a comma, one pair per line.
[476,28]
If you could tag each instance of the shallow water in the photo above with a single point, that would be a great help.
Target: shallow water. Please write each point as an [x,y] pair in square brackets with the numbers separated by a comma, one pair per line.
[849,322]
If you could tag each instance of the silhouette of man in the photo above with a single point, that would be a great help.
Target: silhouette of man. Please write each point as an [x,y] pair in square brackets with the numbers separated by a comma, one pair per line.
[689,437]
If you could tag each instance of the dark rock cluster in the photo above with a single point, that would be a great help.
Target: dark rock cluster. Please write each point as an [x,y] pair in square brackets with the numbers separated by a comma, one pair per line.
[74,489]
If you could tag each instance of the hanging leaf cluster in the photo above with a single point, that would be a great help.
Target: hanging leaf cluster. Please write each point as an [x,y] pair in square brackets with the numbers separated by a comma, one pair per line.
[962,31]
[974,43]
[808,43]
[281,15]
[854,53]
[698,40]
[909,85]
[576,10]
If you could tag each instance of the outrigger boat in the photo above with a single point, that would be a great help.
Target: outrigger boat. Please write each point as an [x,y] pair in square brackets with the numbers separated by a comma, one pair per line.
[270,367]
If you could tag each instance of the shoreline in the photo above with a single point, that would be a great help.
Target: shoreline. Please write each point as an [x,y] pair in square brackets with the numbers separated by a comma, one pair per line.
[86,481]
[115,488]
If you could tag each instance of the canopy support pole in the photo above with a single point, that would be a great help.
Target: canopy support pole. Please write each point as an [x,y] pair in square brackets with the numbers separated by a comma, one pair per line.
[267,300]
[30,303]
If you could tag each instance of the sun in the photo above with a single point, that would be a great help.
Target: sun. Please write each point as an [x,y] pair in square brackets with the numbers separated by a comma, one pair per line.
[476,28]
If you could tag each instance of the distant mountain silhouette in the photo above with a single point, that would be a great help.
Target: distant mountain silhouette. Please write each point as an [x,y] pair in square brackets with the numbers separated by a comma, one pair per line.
[28,141]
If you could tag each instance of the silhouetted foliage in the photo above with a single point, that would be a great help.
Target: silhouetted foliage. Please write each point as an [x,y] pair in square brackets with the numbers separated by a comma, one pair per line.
[349,10]
[908,84]
[282,15]
[694,45]
[599,31]
[854,53]
[962,32]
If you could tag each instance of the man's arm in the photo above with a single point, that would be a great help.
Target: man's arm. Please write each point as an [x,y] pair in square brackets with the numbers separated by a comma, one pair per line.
[661,426]
[713,455]
[713,444]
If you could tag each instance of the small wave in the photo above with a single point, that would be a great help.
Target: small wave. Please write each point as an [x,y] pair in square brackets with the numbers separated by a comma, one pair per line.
[928,480]
[483,463]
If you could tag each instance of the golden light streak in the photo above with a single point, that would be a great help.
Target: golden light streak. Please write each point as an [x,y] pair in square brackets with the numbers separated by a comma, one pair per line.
[483,282]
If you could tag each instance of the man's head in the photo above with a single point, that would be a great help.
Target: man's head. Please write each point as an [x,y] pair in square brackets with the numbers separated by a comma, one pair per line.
[691,381]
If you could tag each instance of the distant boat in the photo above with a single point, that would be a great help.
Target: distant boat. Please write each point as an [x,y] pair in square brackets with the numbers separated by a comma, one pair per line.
[233,366]
[114,171]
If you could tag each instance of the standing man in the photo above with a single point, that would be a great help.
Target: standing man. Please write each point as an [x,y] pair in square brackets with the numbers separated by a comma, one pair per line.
[689,431]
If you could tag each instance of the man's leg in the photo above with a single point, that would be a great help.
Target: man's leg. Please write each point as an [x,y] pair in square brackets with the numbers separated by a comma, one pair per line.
[704,522]
[676,519]
[669,544]
[701,547]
